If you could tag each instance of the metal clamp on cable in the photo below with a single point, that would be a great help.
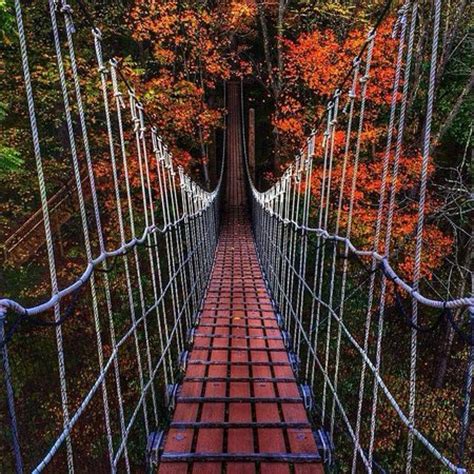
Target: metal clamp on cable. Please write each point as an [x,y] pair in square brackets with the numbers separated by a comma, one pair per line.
[286,338]
[183,360]
[170,396]
[280,321]
[66,9]
[294,362]
[190,335]
[325,446]
[307,397]
[153,448]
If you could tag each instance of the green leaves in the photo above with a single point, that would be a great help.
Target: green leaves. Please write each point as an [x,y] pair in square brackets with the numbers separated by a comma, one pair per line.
[10,160]
[7,21]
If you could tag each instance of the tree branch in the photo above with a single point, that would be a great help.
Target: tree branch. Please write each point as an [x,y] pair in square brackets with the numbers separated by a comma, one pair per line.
[454,110]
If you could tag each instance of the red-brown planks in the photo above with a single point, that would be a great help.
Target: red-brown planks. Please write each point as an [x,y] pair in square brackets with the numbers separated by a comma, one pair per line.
[239,381]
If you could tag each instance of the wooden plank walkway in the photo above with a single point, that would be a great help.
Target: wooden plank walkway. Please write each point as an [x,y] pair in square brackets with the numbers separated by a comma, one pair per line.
[239,409]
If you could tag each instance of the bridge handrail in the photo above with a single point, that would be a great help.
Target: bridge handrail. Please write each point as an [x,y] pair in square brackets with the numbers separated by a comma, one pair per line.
[7,304]
[385,265]
[177,267]
[207,198]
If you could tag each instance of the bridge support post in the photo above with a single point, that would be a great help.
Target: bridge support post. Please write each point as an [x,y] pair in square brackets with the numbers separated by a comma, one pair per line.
[251,141]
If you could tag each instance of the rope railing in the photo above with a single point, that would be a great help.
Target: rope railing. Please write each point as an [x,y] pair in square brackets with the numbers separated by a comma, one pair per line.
[155,223]
[336,296]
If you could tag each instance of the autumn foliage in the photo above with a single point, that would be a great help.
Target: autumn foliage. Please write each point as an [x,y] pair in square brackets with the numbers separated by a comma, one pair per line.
[315,63]
[188,48]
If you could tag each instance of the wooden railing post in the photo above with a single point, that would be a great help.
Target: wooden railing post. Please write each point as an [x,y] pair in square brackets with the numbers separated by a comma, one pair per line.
[251,150]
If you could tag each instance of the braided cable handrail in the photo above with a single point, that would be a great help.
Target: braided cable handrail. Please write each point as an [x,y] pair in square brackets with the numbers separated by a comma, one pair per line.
[466,302]
[396,406]
[186,182]
[177,271]
[294,170]
[12,305]
[108,365]
[384,262]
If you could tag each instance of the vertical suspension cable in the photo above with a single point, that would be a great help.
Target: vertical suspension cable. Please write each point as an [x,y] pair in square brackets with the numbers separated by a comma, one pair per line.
[381,207]
[69,28]
[320,243]
[333,123]
[187,293]
[47,229]
[351,98]
[153,242]
[163,168]
[388,150]
[308,169]
[139,130]
[420,221]
[103,71]
[85,227]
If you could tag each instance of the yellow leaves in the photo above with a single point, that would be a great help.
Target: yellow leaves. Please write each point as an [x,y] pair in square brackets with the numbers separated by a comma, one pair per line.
[163,55]
[241,15]
[290,125]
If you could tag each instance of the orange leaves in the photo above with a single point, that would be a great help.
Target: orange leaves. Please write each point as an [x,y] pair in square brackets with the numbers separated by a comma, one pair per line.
[366,204]
[312,59]
[163,55]
[181,157]
[189,39]
[316,62]
[241,16]
[187,44]
[180,109]
[432,256]
[151,20]
[290,125]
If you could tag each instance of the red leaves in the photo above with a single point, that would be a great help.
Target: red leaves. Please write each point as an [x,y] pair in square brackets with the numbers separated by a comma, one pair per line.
[315,62]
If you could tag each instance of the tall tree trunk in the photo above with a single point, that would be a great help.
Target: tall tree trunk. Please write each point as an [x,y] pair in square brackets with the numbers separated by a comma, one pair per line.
[274,79]
[282,4]
[204,160]
[446,347]
[274,87]
[454,110]
[449,38]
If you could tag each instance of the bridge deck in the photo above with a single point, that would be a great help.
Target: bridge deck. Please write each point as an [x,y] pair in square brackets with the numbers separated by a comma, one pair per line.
[239,408]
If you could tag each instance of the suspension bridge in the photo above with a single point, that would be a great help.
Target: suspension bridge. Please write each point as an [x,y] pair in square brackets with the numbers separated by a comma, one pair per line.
[223,326]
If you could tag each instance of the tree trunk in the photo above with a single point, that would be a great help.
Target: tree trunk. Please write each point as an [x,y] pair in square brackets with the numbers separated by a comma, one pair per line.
[445,354]
[267,50]
[454,110]
[275,85]
[204,160]
[448,39]
[281,14]
[251,141]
